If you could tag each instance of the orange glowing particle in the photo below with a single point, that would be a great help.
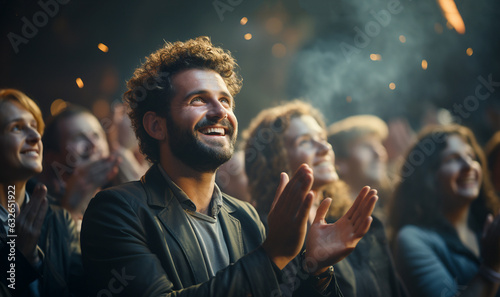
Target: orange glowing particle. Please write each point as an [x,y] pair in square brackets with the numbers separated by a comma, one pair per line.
[402,38]
[79,82]
[243,21]
[469,51]
[452,15]
[424,64]
[57,106]
[104,48]
[392,86]
[248,36]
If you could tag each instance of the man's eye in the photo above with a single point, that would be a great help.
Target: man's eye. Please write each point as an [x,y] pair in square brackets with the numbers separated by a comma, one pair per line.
[16,128]
[196,100]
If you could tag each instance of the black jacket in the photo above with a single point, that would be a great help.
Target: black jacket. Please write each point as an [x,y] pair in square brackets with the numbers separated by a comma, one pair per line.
[136,241]
[61,272]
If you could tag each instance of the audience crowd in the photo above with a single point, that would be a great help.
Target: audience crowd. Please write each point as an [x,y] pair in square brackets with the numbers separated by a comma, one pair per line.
[166,202]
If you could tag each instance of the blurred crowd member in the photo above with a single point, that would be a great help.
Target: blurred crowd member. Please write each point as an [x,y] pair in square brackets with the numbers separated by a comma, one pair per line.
[124,144]
[45,250]
[438,213]
[77,159]
[281,139]
[232,179]
[492,150]
[173,232]
[361,158]
[399,139]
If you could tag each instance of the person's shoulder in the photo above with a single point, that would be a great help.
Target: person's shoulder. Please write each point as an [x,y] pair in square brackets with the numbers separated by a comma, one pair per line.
[56,211]
[413,233]
[132,194]
[133,189]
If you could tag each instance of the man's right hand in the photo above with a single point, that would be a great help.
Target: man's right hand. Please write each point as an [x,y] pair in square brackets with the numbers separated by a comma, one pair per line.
[287,219]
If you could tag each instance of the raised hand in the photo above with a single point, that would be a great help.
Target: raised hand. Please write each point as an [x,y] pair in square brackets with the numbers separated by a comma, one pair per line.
[287,219]
[86,180]
[29,223]
[327,244]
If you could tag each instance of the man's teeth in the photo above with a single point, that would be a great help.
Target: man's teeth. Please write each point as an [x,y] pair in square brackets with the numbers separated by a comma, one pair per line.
[218,131]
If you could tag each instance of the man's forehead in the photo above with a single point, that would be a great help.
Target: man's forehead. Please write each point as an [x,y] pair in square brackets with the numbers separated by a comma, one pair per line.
[193,80]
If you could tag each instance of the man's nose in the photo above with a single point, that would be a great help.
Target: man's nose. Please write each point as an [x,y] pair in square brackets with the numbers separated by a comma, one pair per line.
[217,110]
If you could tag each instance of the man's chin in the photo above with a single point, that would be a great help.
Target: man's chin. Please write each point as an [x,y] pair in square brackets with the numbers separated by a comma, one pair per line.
[214,141]
[208,159]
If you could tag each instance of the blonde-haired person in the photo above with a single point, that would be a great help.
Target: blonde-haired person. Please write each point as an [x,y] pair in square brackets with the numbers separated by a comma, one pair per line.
[446,244]
[361,158]
[280,139]
[41,241]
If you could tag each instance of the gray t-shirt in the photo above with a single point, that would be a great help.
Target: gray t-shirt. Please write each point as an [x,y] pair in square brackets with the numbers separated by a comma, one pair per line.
[206,227]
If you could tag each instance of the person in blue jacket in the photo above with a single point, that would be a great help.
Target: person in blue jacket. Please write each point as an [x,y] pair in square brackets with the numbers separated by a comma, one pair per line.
[447,242]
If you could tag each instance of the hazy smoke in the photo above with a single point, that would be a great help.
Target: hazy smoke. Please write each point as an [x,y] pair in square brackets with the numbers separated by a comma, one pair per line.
[336,73]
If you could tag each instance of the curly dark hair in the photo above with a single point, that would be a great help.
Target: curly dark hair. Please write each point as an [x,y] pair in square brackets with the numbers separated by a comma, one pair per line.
[266,155]
[150,88]
[416,199]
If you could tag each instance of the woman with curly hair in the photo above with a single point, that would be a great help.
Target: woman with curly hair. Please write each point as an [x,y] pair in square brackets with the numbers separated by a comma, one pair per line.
[281,139]
[438,213]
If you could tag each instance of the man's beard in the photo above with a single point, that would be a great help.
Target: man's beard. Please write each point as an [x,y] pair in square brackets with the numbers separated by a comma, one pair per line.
[187,147]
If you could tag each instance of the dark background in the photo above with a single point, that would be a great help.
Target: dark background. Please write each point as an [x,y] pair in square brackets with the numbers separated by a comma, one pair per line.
[295,51]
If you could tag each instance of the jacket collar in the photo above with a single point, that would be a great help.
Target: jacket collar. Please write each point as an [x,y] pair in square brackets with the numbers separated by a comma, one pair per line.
[155,188]
[174,220]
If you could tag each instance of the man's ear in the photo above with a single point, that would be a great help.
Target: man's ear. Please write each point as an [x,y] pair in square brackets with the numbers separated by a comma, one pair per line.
[155,125]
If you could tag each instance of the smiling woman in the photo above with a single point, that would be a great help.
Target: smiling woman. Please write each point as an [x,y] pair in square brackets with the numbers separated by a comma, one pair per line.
[281,139]
[32,227]
[20,139]
[438,214]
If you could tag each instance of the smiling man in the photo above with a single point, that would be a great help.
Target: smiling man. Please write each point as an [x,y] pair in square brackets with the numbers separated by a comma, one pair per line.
[174,232]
